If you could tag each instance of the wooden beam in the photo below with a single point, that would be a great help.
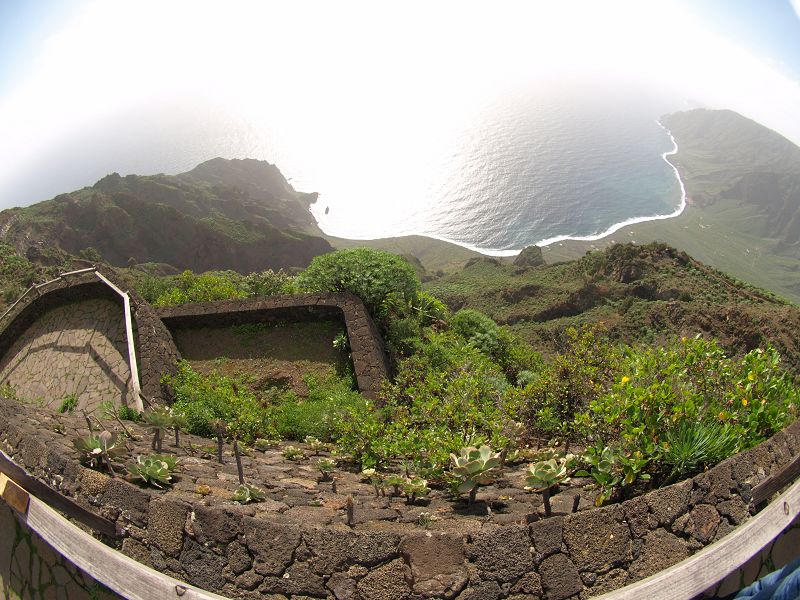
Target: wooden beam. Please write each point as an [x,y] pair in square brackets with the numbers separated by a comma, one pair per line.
[120,573]
[13,471]
[701,571]
[774,484]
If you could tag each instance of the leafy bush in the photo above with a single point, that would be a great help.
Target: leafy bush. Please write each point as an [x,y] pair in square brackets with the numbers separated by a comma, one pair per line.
[207,287]
[371,275]
[476,327]
[205,399]
[447,396]
[268,283]
[317,416]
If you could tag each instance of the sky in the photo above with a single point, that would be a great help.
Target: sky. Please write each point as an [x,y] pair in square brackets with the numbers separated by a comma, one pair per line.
[102,79]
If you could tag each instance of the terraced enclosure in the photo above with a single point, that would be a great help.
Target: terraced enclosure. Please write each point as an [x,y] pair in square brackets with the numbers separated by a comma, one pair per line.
[268,356]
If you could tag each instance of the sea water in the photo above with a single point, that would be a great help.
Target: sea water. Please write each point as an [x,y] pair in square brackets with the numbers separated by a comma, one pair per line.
[529,166]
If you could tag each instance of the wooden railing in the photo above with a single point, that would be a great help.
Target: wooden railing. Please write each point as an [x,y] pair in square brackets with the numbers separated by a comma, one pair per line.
[118,572]
[699,572]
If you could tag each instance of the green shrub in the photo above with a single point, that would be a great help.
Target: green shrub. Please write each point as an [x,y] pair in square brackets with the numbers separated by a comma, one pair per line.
[371,275]
[268,283]
[205,399]
[68,404]
[319,415]
[207,287]
[476,327]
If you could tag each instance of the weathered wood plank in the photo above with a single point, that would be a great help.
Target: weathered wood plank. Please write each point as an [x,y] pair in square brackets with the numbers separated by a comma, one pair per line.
[120,573]
[15,496]
[54,498]
[699,572]
[772,485]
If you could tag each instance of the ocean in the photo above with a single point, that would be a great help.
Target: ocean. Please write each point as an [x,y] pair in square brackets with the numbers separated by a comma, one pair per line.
[529,167]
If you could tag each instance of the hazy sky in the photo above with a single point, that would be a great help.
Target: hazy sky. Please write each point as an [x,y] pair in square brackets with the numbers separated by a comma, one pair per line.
[73,69]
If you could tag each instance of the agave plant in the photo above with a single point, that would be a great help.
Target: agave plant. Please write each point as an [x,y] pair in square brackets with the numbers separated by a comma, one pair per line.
[475,467]
[246,493]
[97,450]
[155,470]
[544,475]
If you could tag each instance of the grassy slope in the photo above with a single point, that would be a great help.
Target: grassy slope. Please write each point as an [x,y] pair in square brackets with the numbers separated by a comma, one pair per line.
[742,181]
[640,293]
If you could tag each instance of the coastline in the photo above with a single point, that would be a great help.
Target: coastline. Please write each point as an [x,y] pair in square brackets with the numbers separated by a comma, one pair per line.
[571,237]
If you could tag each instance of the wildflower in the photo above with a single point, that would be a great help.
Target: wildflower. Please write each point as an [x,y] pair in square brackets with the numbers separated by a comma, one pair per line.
[625,379]
[683,339]
[744,401]
[751,377]
[721,416]
[763,401]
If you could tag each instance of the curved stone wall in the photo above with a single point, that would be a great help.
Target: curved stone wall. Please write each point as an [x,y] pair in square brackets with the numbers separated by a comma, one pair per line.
[261,550]
[69,338]
[369,357]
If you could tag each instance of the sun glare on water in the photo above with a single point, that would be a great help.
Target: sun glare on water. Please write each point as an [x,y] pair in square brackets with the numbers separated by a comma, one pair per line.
[363,101]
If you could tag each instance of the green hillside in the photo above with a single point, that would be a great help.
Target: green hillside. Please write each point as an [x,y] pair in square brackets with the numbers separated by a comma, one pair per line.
[743,213]
[239,214]
[641,293]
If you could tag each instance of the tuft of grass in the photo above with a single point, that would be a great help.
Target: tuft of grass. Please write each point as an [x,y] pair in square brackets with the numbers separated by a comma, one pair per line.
[693,446]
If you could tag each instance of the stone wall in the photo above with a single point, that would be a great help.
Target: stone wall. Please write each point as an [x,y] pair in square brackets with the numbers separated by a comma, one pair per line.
[258,550]
[69,337]
[369,357]
[75,349]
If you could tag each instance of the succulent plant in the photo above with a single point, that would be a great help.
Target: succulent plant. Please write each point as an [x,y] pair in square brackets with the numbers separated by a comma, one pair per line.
[202,489]
[413,487]
[605,470]
[97,449]
[179,421]
[155,470]
[315,445]
[158,421]
[475,467]
[374,478]
[265,444]
[326,466]
[544,475]
[293,453]
[547,474]
[246,493]
[396,482]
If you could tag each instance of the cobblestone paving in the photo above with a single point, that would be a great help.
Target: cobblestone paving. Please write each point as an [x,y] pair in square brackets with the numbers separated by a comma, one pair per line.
[79,348]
